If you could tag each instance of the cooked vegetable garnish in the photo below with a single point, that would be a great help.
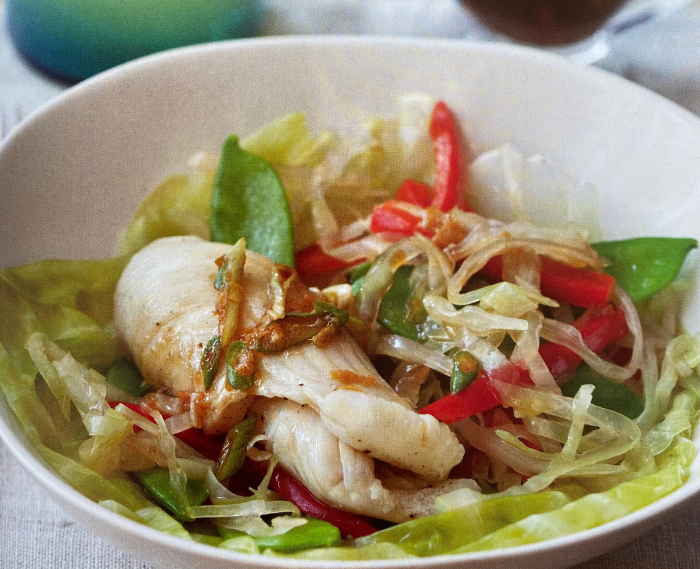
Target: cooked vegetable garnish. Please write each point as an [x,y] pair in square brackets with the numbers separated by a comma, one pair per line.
[401,310]
[465,368]
[313,533]
[210,360]
[249,201]
[645,265]
[126,376]
[607,393]
[235,446]
[157,483]
[240,366]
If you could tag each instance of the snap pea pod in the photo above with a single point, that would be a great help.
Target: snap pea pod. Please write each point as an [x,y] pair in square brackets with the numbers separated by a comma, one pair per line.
[607,393]
[249,200]
[157,483]
[314,533]
[645,265]
[126,376]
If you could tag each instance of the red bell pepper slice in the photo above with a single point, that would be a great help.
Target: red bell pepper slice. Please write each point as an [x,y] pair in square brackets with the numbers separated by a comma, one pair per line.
[206,445]
[290,489]
[313,261]
[394,222]
[477,397]
[598,327]
[448,190]
[416,193]
[564,283]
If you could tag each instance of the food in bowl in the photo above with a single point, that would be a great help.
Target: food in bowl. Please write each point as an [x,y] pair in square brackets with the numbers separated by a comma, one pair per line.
[428,380]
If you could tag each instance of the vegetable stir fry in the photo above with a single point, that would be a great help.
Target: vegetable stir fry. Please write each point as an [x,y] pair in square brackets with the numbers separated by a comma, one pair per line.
[335,349]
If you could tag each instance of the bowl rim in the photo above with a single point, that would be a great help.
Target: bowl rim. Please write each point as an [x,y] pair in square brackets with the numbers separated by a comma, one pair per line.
[52,482]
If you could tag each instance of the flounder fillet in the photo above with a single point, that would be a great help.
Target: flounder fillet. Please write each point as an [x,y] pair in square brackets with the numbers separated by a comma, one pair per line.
[165,315]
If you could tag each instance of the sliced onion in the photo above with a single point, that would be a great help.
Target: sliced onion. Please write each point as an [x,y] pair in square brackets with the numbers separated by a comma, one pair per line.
[486,440]
[474,318]
[179,423]
[477,260]
[413,352]
[247,508]
[527,351]
[569,337]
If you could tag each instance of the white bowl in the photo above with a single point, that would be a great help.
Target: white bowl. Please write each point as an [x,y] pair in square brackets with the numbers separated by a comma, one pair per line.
[72,175]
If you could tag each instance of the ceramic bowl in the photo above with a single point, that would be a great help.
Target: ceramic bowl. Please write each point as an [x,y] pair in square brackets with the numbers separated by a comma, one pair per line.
[73,173]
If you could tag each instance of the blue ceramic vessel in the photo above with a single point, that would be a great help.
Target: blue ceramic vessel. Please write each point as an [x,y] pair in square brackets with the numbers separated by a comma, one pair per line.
[74,39]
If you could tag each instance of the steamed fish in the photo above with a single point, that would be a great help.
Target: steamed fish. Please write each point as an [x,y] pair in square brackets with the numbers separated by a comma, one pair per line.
[165,313]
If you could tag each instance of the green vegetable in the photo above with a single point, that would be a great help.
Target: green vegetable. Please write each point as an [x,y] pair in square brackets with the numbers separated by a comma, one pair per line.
[645,265]
[444,532]
[324,308]
[585,513]
[400,312]
[297,327]
[465,368]
[314,533]
[157,483]
[249,201]
[210,360]
[607,393]
[234,448]
[235,379]
[126,376]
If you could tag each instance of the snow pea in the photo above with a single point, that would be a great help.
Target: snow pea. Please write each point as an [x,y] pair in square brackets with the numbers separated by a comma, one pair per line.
[250,201]
[314,533]
[157,483]
[607,393]
[645,265]
[126,376]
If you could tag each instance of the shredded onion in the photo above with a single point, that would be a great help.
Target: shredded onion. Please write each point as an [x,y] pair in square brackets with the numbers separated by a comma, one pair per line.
[413,352]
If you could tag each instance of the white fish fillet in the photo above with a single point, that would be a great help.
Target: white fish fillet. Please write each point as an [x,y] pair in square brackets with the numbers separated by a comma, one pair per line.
[164,314]
[334,471]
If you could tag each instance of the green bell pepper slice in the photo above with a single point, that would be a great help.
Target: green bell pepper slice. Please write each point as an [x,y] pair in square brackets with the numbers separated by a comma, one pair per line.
[645,265]
[249,200]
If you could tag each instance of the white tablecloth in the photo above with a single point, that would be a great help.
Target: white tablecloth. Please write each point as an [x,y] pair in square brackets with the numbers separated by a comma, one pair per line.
[664,56]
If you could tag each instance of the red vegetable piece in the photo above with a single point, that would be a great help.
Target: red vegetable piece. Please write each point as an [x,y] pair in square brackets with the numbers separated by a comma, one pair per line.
[448,190]
[313,261]
[416,193]
[598,327]
[477,397]
[290,489]
[388,218]
[564,283]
